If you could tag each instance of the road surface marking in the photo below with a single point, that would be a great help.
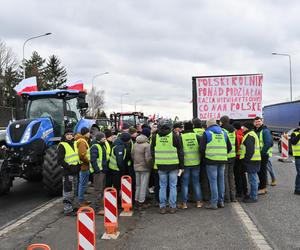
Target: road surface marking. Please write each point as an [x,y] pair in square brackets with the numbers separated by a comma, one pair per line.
[259,240]
[27,216]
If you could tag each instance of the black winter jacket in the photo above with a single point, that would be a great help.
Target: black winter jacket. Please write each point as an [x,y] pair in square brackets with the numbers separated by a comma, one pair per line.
[68,169]
[250,166]
[177,143]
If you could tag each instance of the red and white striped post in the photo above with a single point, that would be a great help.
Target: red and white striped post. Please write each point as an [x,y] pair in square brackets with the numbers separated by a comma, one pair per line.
[110,214]
[284,148]
[126,193]
[86,229]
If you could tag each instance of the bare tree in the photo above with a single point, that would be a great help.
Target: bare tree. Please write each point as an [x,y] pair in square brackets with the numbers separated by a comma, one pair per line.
[95,99]
[9,75]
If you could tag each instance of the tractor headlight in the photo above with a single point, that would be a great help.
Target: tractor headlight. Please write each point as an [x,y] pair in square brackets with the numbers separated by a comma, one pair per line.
[7,139]
[26,136]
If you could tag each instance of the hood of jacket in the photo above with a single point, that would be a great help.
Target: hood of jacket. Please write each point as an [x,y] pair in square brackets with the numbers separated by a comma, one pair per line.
[118,142]
[228,127]
[215,129]
[240,132]
[80,136]
[141,139]
[164,130]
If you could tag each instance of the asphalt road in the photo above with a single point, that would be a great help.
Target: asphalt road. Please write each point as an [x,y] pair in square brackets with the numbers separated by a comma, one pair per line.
[23,197]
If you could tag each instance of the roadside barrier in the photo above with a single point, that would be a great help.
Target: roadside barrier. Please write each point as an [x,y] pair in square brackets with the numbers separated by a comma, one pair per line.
[38,246]
[126,191]
[284,148]
[86,229]
[110,214]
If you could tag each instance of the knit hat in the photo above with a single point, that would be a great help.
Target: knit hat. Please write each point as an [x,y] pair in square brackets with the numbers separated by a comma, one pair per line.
[249,125]
[125,137]
[237,125]
[125,125]
[225,119]
[84,131]
[146,132]
[197,123]
[177,125]
[132,130]
[146,126]
[211,122]
[108,133]
[188,125]
[99,136]
[68,131]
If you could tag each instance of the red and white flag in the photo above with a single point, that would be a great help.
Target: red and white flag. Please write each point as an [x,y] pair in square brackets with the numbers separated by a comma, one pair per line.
[26,85]
[78,85]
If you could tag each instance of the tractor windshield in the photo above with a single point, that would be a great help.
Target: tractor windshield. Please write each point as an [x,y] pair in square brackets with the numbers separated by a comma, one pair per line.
[130,119]
[72,111]
[48,107]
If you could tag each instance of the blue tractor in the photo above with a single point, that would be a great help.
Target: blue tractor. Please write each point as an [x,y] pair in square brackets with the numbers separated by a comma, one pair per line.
[31,143]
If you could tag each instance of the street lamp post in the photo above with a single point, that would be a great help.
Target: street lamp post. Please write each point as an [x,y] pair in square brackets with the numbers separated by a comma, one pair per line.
[290,60]
[93,99]
[31,38]
[136,101]
[122,100]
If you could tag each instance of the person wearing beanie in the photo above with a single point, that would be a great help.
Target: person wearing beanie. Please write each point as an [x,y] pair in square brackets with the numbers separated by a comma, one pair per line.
[191,151]
[125,127]
[133,133]
[146,132]
[215,146]
[295,141]
[250,159]
[177,128]
[198,129]
[98,169]
[68,159]
[142,162]
[118,163]
[230,191]
[266,144]
[239,172]
[167,152]
[83,146]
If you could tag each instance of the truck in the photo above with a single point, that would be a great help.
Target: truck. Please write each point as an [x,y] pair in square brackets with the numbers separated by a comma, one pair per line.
[31,143]
[132,118]
[282,117]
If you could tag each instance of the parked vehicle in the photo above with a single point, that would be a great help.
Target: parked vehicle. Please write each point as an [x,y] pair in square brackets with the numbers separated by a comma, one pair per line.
[31,143]
[132,118]
[282,117]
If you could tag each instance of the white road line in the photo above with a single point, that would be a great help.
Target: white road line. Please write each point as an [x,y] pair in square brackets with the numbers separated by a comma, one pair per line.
[259,240]
[27,216]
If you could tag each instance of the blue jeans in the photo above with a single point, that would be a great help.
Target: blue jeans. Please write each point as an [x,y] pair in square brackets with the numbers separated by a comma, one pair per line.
[164,176]
[297,181]
[271,170]
[195,171]
[253,181]
[215,175]
[83,183]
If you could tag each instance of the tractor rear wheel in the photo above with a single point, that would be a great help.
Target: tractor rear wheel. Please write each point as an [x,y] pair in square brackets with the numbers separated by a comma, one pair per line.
[5,180]
[52,173]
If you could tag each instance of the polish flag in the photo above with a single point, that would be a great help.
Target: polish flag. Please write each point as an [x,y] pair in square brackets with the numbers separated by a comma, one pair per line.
[26,85]
[78,85]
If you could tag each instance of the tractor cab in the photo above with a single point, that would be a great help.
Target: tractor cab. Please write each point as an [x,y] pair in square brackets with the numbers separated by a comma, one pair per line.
[132,118]
[63,108]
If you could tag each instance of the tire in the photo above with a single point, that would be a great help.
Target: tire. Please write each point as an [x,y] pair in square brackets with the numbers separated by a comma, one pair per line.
[52,173]
[5,180]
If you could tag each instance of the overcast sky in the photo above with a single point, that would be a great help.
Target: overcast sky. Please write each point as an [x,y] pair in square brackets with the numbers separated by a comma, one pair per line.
[153,48]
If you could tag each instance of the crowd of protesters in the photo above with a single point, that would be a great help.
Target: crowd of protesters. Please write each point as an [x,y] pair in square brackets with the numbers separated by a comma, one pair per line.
[210,164]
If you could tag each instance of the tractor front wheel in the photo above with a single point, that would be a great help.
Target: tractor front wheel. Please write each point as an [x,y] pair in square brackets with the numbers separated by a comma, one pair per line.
[52,173]
[5,180]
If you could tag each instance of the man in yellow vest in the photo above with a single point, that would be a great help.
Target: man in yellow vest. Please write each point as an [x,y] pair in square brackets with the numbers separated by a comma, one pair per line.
[215,146]
[250,159]
[118,162]
[83,146]
[68,159]
[230,191]
[166,150]
[295,141]
[98,168]
[191,150]
[198,129]
[266,146]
